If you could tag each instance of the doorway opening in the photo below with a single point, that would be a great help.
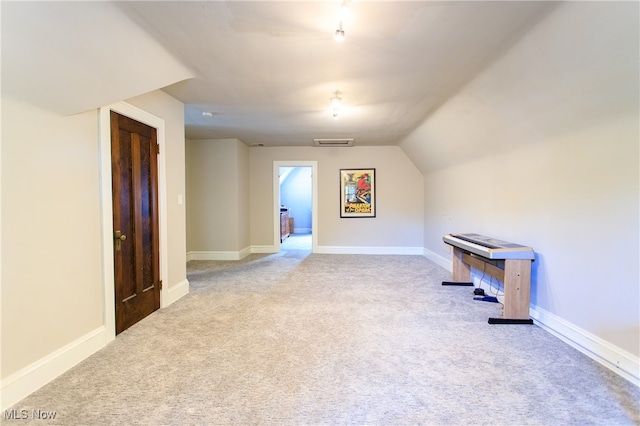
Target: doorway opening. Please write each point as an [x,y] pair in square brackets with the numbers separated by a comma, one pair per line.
[295,205]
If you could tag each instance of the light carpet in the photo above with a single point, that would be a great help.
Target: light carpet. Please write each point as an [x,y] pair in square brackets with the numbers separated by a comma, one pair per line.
[297,242]
[308,339]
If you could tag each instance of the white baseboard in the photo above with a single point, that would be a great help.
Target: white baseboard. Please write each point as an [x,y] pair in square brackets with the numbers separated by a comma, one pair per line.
[263,249]
[244,253]
[210,255]
[232,255]
[218,255]
[297,230]
[437,259]
[369,250]
[31,378]
[175,292]
[616,359]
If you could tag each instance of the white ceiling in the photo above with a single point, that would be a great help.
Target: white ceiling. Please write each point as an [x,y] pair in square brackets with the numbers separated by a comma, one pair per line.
[265,69]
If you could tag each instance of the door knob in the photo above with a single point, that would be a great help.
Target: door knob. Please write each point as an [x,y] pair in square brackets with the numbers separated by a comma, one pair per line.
[119,237]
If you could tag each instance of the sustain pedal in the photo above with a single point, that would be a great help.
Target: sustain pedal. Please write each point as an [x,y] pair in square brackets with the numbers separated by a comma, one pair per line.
[486,299]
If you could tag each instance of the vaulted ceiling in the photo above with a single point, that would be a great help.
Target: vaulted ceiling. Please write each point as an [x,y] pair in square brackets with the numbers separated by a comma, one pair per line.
[265,71]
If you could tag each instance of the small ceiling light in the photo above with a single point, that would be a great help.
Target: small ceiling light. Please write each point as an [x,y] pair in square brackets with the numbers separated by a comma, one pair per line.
[336,103]
[339,35]
[344,13]
[207,114]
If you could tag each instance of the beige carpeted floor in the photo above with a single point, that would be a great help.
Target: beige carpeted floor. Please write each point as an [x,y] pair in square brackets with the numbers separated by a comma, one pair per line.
[304,339]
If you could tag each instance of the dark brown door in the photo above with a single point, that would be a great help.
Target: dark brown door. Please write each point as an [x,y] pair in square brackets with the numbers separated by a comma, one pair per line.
[134,165]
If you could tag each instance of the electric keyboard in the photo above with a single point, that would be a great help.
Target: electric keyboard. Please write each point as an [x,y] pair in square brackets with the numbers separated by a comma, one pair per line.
[488,247]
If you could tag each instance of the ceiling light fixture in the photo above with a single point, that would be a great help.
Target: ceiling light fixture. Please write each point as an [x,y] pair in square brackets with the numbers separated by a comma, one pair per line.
[339,35]
[336,103]
[344,13]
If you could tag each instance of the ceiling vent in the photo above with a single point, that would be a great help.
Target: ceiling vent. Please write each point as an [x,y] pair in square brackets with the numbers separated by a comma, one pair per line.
[333,142]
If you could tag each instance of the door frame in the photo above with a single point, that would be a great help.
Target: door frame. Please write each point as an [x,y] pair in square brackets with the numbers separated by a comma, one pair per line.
[314,200]
[106,203]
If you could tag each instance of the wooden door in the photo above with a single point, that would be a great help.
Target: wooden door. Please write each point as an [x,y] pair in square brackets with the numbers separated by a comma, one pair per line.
[134,165]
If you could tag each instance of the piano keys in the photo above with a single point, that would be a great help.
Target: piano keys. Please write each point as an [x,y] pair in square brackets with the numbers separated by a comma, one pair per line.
[488,247]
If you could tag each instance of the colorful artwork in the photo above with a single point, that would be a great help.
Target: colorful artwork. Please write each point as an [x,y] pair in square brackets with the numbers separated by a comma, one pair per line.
[357,193]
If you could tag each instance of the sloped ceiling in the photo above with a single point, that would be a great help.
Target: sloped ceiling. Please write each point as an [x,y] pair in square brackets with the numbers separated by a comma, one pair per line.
[70,57]
[264,70]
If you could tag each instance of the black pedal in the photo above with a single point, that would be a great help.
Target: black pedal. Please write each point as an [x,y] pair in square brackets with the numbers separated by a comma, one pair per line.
[457,283]
[486,299]
[478,292]
[510,321]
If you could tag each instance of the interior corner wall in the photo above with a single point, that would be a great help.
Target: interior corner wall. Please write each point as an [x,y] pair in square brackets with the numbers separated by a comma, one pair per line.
[244,202]
[399,192]
[51,240]
[217,202]
[542,149]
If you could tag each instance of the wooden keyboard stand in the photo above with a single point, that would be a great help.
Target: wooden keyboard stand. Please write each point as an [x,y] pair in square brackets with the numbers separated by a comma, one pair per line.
[505,261]
[516,277]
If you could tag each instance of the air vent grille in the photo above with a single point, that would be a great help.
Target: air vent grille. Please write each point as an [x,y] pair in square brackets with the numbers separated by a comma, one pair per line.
[333,142]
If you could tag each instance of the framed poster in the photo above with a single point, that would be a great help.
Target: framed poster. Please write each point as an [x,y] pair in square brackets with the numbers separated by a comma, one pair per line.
[357,192]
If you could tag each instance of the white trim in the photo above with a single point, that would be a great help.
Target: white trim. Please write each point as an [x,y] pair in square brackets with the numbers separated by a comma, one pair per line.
[235,255]
[436,258]
[369,250]
[244,253]
[314,200]
[32,377]
[177,291]
[219,255]
[297,231]
[106,216]
[264,249]
[107,208]
[612,357]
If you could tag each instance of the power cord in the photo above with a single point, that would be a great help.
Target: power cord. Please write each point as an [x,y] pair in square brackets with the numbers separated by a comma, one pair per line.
[495,292]
[479,291]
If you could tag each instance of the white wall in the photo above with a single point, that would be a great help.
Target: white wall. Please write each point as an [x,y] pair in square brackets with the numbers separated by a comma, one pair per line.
[244,200]
[399,210]
[51,268]
[223,204]
[542,149]
[218,198]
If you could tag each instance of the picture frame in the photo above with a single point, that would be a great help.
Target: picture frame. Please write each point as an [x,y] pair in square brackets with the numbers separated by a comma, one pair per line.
[357,193]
